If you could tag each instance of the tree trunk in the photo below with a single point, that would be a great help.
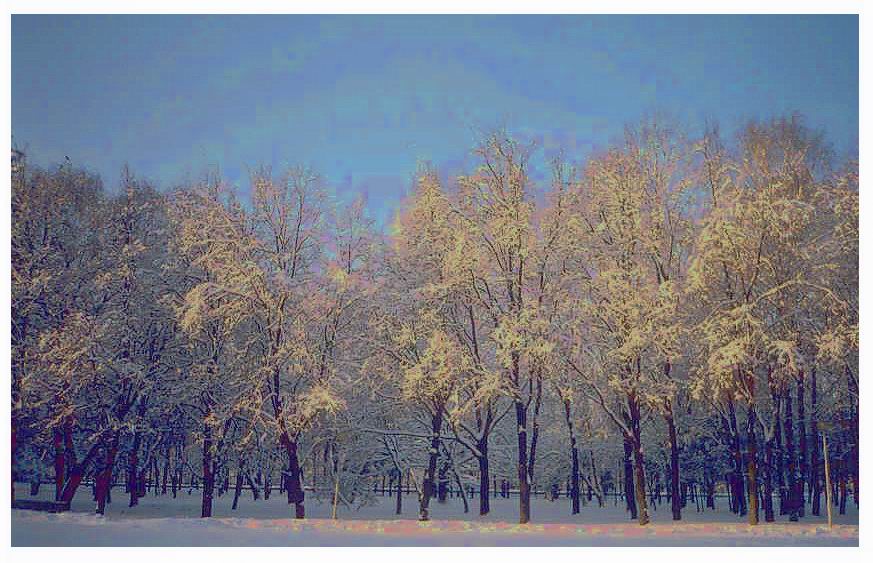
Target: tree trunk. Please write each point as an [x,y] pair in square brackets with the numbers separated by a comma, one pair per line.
[843,479]
[237,490]
[252,486]
[629,497]
[790,454]
[17,368]
[103,480]
[574,459]
[639,467]
[442,486]
[674,464]
[57,442]
[69,449]
[157,474]
[141,481]
[737,480]
[768,484]
[293,484]
[76,473]
[428,489]
[208,477]
[461,489]
[803,443]
[854,448]
[132,465]
[72,483]
[815,478]
[640,483]
[752,464]
[523,483]
[595,480]
[535,428]
[165,476]
[398,507]
[710,493]
[484,501]
[150,472]
[779,456]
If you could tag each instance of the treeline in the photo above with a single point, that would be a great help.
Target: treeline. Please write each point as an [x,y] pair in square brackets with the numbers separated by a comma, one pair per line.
[674,315]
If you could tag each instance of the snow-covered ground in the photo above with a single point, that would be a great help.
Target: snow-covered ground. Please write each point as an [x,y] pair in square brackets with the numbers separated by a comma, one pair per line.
[162,520]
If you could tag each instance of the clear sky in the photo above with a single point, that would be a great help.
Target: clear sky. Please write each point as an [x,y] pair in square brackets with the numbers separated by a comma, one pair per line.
[364,98]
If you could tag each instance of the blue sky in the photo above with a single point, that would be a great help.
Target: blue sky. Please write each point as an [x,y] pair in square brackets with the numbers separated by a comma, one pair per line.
[364,98]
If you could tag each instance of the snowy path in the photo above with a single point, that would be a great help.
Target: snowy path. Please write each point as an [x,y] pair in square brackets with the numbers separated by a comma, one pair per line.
[75,529]
[162,521]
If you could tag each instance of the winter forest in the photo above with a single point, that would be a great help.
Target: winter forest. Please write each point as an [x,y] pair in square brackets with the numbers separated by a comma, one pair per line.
[670,323]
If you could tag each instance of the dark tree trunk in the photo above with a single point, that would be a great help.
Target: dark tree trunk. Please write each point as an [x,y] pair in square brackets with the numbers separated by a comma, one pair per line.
[574,460]
[150,479]
[58,443]
[778,456]
[752,462]
[639,466]
[208,477]
[815,479]
[803,442]
[484,502]
[165,477]
[523,476]
[843,479]
[629,497]
[737,477]
[640,484]
[710,493]
[773,448]
[398,507]
[768,484]
[72,483]
[574,479]
[675,504]
[132,468]
[69,449]
[790,454]
[157,473]
[237,490]
[103,479]
[255,493]
[595,480]
[76,473]
[729,486]
[428,489]
[293,482]
[535,428]
[141,481]
[854,458]
[17,368]
[442,486]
